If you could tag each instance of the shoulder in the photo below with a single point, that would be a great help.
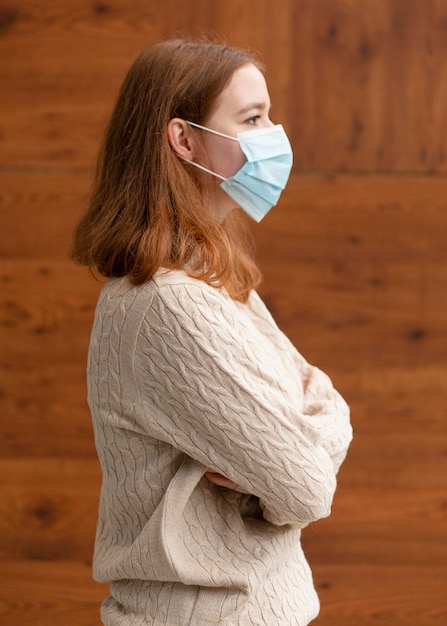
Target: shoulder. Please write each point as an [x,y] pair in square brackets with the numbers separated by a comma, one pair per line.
[166,286]
[170,298]
[174,282]
[192,301]
[174,300]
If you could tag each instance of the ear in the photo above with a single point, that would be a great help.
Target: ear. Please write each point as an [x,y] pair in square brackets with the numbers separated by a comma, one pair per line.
[181,138]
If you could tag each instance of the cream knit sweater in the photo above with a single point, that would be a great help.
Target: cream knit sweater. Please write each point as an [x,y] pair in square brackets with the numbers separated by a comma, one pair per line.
[182,378]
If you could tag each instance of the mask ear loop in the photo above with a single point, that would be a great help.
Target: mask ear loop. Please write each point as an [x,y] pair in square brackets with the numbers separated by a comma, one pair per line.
[210,130]
[202,167]
[215,132]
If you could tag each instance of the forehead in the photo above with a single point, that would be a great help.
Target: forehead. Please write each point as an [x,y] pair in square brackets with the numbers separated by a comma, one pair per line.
[246,89]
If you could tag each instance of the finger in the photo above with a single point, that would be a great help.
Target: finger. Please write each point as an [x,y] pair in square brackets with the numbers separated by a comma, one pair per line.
[221,481]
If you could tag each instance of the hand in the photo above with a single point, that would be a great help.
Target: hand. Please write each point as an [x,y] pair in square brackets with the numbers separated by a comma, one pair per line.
[219,480]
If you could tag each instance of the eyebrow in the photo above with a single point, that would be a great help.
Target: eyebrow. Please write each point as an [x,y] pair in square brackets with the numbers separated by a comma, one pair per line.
[254,105]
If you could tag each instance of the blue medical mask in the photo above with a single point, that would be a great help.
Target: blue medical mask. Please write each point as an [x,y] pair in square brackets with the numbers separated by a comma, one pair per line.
[257,186]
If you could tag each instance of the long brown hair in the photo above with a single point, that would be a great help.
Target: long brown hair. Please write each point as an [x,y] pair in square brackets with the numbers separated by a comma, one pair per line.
[147,209]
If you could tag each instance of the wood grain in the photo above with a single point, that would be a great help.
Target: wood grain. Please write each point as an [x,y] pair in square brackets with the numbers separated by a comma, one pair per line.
[369,85]
[49,593]
[359,512]
[359,262]
[38,213]
[46,313]
[48,509]
[38,594]
[360,87]
[387,595]
[355,267]
[62,66]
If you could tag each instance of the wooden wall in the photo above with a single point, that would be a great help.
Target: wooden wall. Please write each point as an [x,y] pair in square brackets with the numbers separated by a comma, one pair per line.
[355,265]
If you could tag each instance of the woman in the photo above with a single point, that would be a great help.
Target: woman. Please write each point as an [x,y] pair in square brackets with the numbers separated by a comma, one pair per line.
[218,442]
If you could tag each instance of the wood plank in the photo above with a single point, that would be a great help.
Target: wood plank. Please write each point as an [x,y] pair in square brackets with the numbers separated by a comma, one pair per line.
[369,214]
[387,285]
[355,273]
[344,331]
[374,322]
[51,296]
[380,526]
[46,311]
[382,400]
[55,593]
[358,90]
[50,308]
[61,94]
[363,261]
[34,592]
[368,87]
[44,412]
[48,508]
[397,460]
[39,211]
[381,595]
[62,68]
[358,223]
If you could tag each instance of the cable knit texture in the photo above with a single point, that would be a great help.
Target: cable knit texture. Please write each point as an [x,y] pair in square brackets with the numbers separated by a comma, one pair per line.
[183,378]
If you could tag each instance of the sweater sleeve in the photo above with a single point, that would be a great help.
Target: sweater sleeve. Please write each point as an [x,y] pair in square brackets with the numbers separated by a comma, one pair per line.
[328,413]
[325,408]
[209,387]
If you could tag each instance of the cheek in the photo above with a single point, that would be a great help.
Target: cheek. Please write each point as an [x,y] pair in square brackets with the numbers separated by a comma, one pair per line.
[232,161]
[236,161]
[226,160]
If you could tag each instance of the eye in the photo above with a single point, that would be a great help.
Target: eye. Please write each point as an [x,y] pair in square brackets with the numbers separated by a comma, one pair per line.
[253,120]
